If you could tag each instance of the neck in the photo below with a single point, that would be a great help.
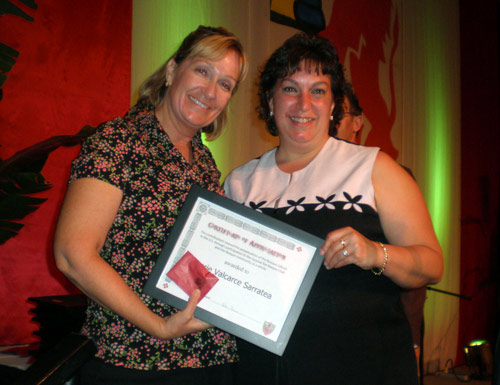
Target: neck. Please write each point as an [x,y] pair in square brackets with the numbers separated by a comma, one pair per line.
[179,138]
[291,160]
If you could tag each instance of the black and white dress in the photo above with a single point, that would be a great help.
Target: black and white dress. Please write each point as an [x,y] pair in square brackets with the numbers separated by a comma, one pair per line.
[352,329]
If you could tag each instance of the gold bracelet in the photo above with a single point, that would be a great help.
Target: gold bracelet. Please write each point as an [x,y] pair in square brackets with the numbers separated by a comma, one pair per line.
[380,270]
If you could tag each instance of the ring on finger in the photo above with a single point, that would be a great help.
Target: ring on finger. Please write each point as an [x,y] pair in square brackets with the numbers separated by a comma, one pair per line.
[342,242]
[345,253]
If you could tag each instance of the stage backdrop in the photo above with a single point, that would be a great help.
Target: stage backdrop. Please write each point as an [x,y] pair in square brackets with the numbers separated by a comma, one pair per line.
[73,69]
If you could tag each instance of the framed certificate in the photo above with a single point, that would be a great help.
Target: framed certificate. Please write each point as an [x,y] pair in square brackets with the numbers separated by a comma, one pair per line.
[254,271]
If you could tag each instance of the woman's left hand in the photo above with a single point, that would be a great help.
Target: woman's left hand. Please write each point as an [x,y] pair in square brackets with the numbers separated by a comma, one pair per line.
[346,246]
[413,257]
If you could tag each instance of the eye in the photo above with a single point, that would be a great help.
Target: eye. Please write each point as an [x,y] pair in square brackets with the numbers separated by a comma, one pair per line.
[319,91]
[289,89]
[201,71]
[226,86]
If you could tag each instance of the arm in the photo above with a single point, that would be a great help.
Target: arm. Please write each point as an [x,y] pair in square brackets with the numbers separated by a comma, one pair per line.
[414,255]
[89,209]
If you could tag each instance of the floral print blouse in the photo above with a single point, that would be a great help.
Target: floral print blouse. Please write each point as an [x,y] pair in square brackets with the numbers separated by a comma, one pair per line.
[134,154]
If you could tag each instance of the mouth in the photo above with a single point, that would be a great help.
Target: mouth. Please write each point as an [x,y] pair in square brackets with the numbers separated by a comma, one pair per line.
[301,120]
[198,102]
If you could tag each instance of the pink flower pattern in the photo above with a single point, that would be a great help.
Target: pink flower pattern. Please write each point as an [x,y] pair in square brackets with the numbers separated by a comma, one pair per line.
[134,154]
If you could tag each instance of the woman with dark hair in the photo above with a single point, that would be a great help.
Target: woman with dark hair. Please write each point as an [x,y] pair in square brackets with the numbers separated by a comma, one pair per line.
[126,189]
[377,230]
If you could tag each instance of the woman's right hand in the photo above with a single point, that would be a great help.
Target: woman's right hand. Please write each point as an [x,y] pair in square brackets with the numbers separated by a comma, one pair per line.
[182,322]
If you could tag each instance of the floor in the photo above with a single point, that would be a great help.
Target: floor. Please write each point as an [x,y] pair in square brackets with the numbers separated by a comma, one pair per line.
[16,357]
[460,375]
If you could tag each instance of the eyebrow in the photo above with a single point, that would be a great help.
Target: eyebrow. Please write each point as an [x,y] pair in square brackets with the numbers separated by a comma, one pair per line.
[314,84]
[207,62]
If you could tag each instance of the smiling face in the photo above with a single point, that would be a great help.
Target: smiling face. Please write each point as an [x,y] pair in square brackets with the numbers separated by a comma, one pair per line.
[199,90]
[302,104]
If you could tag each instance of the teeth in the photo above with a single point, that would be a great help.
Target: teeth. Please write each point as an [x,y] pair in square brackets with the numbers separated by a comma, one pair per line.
[301,120]
[198,102]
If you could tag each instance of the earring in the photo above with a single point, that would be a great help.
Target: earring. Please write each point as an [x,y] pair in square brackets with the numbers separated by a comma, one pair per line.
[271,114]
[331,117]
[167,83]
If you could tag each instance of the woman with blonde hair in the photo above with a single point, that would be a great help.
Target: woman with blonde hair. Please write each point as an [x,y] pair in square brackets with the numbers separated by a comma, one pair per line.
[126,189]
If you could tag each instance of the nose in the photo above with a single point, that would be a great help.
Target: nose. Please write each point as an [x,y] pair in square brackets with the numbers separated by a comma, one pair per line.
[304,101]
[210,89]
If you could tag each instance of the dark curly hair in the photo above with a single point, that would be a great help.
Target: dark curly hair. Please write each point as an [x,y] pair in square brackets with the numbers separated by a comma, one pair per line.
[318,54]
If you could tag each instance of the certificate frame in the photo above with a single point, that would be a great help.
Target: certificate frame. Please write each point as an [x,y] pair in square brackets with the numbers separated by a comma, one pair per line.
[197,193]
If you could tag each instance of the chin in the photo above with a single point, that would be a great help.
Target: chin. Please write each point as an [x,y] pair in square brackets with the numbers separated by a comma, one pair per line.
[302,138]
[196,122]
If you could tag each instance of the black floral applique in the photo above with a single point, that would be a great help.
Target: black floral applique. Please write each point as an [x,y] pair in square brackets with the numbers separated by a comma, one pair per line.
[325,202]
[257,206]
[353,202]
[295,205]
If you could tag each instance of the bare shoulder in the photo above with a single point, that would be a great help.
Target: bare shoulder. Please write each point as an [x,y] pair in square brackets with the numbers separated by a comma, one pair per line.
[401,205]
[385,164]
[389,175]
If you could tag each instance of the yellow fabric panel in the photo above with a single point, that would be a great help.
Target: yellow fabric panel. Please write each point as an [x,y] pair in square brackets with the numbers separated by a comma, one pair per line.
[283,7]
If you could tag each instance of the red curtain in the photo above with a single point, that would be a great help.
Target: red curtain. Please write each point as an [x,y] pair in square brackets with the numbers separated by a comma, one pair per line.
[364,30]
[73,69]
[480,254]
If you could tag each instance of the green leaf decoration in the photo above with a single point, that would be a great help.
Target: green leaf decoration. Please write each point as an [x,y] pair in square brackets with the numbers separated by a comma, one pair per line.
[7,61]
[33,158]
[6,7]
[20,176]
[29,3]
[3,78]
[8,54]
[15,207]
[9,229]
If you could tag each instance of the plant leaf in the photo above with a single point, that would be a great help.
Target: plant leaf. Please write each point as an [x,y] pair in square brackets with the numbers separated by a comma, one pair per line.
[20,176]
[33,158]
[29,3]
[15,207]
[6,7]
[8,230]
[7,60]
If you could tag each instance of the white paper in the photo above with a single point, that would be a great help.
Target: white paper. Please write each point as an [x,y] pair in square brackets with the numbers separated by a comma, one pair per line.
[259,269]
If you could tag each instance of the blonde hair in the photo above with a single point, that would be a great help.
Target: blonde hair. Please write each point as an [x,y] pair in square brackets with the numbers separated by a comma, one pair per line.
[206,42]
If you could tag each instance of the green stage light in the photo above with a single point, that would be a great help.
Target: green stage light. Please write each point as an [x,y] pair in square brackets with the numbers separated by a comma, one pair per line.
[479,359]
